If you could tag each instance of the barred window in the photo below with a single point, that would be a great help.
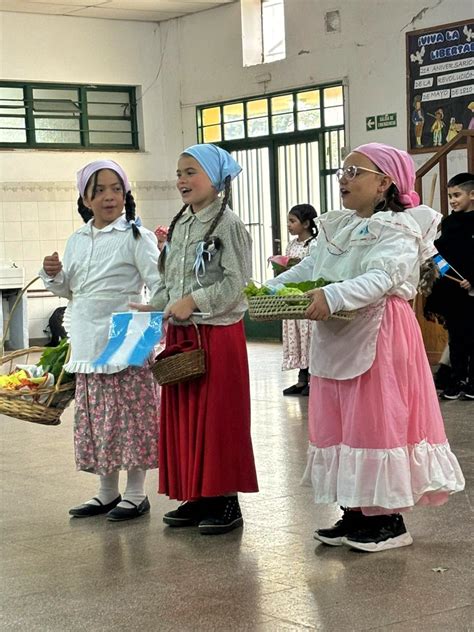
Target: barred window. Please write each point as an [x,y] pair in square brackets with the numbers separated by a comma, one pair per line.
[298,111]
[53,116]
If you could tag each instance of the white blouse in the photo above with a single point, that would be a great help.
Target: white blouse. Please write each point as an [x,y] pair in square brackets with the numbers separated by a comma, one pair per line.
[368,259]
[103,270]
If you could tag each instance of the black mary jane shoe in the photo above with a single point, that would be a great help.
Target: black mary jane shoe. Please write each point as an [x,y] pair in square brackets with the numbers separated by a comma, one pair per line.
[128,513]
[296,389]
[87,510]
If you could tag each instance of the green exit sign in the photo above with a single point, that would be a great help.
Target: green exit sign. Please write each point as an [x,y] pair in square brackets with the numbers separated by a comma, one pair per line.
[386,120]
[370,123]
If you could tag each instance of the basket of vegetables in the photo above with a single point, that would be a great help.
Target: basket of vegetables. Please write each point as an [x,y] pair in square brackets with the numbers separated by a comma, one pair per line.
[31,389]
[288,302]
[36,392]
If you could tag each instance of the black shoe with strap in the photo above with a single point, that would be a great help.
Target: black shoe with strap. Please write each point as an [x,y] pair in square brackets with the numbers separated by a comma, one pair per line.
[351,520]
[189,514]
[128,513]
[87,510]
[223,515]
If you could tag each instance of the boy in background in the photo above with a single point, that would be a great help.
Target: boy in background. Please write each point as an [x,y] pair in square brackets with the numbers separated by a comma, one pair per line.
[452,297]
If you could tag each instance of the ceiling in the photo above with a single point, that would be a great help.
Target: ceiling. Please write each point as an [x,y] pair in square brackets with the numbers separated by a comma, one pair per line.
[141,10]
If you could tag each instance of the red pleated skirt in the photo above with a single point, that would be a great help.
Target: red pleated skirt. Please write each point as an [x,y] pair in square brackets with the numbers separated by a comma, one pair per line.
[205,447]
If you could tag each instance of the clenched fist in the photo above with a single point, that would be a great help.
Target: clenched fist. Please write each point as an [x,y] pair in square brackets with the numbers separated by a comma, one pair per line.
[51,265]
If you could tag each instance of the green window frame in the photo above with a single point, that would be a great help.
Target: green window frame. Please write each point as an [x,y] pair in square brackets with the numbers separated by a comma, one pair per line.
[68,116]
[277,115]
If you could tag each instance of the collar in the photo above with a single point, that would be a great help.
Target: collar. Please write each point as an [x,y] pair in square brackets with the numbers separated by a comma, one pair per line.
[205,215]
[119,224]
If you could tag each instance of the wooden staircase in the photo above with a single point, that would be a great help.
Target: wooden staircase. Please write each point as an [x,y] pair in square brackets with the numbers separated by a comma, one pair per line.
[435,337]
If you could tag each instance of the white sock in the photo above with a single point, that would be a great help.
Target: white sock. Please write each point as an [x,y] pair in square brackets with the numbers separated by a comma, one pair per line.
[135,490]
[108,489]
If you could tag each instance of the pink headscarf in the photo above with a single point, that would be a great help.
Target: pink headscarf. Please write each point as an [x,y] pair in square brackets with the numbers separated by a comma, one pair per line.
[84,174]
[396,164]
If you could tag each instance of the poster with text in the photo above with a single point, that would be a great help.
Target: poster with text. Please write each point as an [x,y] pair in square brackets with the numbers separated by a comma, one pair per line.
[440,84]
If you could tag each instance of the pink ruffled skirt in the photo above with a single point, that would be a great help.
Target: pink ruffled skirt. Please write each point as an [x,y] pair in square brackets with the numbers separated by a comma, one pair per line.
[377,441]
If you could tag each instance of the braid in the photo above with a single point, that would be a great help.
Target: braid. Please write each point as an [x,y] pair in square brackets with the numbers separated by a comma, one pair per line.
[391,202]
[217,218]
[130,213]
[162,258]
[217,242]
[84,212]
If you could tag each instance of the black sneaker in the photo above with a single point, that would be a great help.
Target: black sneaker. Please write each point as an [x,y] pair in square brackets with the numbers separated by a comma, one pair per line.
[351,521]
[223,515]
[468,391]
[379,534]
[452,392]
[443,376]
[189,514]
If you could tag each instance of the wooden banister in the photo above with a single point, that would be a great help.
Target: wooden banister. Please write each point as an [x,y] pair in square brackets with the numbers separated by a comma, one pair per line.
[464,137]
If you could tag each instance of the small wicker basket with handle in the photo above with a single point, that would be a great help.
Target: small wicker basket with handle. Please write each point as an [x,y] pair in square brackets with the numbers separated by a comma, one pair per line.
[181,367]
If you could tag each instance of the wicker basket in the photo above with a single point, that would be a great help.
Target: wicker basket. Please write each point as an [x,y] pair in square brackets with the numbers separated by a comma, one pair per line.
[181,367]
[21,405]
[268,307]
[28,407]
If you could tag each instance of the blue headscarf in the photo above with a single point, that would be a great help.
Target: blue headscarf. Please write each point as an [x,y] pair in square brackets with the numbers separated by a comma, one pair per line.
[216,162]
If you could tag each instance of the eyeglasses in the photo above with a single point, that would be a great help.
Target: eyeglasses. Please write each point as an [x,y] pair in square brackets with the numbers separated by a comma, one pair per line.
[350,172]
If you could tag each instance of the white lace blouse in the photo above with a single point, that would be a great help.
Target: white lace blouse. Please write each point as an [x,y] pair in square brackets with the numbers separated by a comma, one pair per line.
[368,259]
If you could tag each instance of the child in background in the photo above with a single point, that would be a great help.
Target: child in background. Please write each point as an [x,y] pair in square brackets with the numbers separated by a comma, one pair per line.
[297,333]
[105,265]
[206,454]
[377,441]
[453,298]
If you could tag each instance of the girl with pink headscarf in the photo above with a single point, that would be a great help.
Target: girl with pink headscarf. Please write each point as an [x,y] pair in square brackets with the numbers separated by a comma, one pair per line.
[106,264]
[377,444]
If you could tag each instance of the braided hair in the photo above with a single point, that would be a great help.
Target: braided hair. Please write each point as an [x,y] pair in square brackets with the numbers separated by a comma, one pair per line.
[130,206]
[391,201]
[208,238]
[306,213]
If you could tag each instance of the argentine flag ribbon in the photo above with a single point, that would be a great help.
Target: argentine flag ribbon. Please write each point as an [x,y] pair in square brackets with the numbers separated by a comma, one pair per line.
[132,336]
[442,264]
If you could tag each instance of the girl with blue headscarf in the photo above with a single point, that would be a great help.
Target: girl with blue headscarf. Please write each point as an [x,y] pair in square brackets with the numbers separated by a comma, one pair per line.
[206,454]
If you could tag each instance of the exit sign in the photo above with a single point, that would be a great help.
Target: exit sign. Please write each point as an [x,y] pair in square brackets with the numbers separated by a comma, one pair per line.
[386,120]
[370,123]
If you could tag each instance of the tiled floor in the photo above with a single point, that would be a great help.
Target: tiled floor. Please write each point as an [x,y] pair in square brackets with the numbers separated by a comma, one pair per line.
[69,575]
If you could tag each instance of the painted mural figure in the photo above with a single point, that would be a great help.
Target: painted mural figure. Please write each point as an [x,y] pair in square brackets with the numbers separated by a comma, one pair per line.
[453,129]
[437,128]
[471,122]
[418,119]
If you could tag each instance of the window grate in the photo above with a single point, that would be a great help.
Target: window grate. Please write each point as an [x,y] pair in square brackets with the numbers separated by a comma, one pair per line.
[52,116]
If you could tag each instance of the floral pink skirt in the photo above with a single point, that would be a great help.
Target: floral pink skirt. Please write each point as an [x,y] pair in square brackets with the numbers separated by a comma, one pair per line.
[116,421]
[377,441]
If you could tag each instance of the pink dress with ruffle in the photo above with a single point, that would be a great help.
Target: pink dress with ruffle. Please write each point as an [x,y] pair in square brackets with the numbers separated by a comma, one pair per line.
[377,441]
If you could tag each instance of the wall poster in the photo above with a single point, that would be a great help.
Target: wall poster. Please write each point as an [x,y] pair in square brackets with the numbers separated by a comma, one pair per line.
[440,84]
